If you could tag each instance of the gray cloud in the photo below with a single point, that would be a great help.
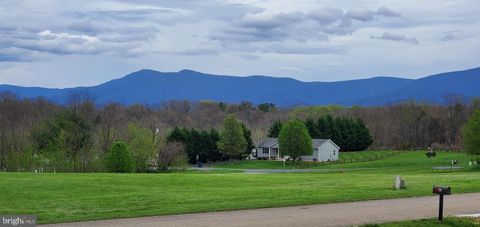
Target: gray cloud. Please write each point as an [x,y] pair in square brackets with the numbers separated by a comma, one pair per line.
[364,14]
[203,9]
[302,49]
[62,43]
[448,37]
[249,57]
[195,51]
[317,24]
[326,37]
[156,16]
[361,14]
[326,15]
[128,31]
[124,29]
[285,28]
[386,12]
[396,37]
[14,55]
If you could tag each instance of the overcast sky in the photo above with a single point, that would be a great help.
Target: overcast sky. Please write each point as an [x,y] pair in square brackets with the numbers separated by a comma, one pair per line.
[76,43]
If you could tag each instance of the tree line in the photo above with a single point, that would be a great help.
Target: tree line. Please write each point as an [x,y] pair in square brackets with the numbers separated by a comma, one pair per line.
[232,142]
[75,136]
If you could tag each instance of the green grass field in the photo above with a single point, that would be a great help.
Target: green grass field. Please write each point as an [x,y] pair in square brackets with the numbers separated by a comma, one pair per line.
[414,161]
[365,155]
[75,197]
[276,164]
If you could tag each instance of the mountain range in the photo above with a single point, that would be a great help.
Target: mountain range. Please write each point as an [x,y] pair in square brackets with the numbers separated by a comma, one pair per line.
[153,87]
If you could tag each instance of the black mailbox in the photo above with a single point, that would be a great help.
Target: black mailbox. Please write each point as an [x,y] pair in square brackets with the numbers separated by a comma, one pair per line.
[442,190]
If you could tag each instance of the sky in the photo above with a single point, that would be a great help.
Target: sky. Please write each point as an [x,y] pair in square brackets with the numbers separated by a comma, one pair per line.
[66,43]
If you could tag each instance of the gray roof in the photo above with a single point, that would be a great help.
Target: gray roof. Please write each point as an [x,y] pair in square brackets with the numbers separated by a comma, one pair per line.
[318,142]
[269,142]
[273,142]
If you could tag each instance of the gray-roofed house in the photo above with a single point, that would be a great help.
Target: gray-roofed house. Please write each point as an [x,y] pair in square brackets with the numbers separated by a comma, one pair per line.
[323,150]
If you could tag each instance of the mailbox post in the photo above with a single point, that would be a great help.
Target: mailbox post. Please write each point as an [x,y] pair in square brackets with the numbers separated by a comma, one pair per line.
[441,190]
[199,164]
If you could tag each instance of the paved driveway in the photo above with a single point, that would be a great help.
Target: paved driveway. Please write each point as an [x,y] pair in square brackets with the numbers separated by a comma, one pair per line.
[335,214]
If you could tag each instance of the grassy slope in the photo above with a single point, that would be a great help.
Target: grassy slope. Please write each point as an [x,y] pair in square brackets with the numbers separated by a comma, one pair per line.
[366,154]
[75,197]
[275,164]
[412,160]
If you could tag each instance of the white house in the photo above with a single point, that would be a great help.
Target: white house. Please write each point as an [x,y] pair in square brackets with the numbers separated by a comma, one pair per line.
[323,150]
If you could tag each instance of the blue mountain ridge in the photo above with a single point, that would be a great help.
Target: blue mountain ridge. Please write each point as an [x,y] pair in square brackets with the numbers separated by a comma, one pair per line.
[153,87]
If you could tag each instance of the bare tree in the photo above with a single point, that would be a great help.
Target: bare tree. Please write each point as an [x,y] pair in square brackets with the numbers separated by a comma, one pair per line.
[171,155]
[111,121]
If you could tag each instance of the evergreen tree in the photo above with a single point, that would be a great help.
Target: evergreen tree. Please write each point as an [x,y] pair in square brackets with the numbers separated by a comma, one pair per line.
[275,129]
[322,127]
[312,128]
[247,133]
[339,136]
[177,135]
[195,146]
[331,129]
[349,134]
[213,138]
[267,107]
[365,139]
[201,143]
[354,134]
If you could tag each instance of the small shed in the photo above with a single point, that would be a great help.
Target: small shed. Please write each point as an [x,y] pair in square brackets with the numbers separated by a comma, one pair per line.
[323,150]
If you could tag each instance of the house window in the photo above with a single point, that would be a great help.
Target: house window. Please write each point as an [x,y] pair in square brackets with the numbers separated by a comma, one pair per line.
[334,152]
[265,150]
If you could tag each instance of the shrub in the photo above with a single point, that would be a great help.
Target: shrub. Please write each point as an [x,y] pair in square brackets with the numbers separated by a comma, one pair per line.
[141,146]
[471,134]
[119,159]
[431,154]
[172,155]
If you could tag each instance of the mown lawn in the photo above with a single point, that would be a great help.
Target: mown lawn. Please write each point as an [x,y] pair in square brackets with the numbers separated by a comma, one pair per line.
[406,161]
[366,155]
[76,197]
[276,164]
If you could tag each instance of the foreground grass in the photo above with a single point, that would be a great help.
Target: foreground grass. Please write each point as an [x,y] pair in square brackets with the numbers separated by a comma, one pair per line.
[77,197]
[450,221]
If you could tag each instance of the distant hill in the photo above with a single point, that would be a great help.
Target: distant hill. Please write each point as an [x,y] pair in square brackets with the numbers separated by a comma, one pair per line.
[153,87]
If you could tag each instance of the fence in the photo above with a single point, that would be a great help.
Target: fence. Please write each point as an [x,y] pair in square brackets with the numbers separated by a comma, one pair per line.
[369,158]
